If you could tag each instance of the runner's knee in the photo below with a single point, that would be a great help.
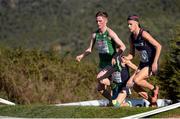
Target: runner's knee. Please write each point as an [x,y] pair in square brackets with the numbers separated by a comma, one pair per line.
[125,90]
[100,75]
[137,80]
[105,81]
[99,78]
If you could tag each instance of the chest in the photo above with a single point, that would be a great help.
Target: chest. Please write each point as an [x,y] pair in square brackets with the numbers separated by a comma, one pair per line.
[103,41]
[139,43]
[103,37]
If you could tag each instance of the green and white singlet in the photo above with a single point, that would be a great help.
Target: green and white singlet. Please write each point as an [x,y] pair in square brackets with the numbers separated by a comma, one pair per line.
[106,48]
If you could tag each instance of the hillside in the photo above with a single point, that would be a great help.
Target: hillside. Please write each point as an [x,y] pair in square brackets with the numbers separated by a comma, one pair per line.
[38,41]
[49,23]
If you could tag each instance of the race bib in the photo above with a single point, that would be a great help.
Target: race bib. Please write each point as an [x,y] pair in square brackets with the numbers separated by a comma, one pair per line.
[116,77]
[144,56]
[102,46]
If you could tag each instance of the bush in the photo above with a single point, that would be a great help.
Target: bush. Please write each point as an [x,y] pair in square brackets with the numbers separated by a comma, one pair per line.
[45,77]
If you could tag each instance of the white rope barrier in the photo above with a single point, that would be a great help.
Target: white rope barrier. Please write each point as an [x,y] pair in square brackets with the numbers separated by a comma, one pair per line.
[3,101]
[149,113]
[104,102]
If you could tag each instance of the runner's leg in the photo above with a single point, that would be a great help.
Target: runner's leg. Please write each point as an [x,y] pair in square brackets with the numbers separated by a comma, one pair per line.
[140,91]
[103,81]
[141,78]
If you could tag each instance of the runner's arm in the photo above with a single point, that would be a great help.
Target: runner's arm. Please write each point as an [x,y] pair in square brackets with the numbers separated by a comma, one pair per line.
[88,50]
[129,63]
[130,82]
[157,46]
[132,65]
[131,52]
[154,42]
[120,45]
[118,41]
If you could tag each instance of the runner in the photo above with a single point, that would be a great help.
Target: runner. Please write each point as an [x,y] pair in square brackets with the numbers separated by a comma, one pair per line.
[107,41]
[120,77]
[149,50]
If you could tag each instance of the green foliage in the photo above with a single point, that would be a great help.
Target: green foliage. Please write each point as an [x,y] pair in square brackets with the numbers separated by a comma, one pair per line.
[62,28]
[39,24]
[170,73]
[33,76]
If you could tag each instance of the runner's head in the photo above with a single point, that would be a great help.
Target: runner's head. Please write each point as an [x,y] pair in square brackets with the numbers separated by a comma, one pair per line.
[101,19]
[133,22]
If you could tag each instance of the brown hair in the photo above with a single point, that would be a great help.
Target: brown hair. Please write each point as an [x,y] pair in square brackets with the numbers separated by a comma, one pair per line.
[101,13]
[135,18]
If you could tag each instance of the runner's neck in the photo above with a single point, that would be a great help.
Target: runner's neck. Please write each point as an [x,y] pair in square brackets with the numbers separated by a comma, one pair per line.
[136,32]
[103,30]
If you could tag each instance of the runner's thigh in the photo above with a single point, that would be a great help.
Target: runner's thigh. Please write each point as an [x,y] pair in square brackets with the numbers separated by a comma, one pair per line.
[105,73]
[142,74]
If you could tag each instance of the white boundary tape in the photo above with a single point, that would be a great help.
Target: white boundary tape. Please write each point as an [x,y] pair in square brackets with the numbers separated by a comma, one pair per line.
[98,103]
[3,101]
[104,102]
[6,117]
[149,113]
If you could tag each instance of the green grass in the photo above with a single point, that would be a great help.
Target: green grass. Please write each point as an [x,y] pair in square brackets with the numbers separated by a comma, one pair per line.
[44,111]
[39,111]
[175,113]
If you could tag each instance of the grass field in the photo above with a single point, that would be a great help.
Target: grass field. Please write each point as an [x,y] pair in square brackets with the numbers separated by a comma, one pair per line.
[175,113]
[43,111]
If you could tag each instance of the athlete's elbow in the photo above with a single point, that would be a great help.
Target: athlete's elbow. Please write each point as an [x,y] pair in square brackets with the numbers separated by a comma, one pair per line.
[89,50]
[123,48]
[159,47]
[130,56]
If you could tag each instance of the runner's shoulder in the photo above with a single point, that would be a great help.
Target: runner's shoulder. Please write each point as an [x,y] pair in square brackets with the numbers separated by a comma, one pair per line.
[111,33]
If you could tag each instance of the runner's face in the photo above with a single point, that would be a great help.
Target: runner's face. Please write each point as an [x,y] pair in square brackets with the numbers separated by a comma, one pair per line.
[132,25]
[101,22]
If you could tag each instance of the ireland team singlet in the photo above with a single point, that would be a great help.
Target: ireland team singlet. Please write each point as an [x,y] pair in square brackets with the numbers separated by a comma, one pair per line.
[106,48]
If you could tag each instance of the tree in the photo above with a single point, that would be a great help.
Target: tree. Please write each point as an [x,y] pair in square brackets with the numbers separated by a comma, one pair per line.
[170,73]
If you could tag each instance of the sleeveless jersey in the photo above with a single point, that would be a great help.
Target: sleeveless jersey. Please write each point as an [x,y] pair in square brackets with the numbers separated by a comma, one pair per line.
[106,48]
[146,49]
[121,76]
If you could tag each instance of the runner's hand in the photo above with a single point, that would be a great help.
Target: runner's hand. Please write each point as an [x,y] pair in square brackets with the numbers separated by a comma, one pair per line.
[113,61]
[130,83]
[129,57]
[79,57]
[125,57]
[124,60]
